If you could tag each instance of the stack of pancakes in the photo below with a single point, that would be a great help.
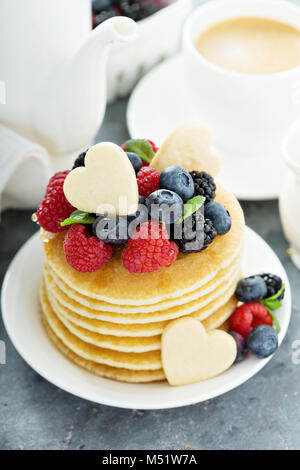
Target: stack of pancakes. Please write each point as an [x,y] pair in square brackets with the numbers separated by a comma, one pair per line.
[110,321]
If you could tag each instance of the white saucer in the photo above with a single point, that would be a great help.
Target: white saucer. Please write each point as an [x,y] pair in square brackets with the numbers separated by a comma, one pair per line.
[20,310]
[160,102]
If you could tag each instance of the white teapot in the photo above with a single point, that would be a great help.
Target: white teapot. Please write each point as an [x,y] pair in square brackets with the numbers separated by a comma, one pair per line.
[289,200]
[54,70]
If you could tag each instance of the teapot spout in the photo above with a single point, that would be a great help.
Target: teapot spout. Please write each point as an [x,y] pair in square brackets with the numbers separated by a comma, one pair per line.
[74,99]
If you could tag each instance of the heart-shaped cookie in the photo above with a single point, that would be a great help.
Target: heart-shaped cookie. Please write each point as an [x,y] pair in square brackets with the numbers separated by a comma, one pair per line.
[106,184]
[189,146]
[190,354]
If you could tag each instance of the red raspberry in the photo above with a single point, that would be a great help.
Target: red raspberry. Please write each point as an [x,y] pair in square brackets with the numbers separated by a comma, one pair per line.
[248,316]
[55,207]
[147,180]
[149,249]
[83,252]
[154,148]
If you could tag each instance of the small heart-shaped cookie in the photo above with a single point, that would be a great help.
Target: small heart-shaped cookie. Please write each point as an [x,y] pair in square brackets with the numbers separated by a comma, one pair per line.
[106,184]
[190,354]
[189,146]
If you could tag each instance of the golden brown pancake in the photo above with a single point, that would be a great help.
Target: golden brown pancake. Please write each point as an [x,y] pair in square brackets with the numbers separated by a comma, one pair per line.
[195,307]
[90,357]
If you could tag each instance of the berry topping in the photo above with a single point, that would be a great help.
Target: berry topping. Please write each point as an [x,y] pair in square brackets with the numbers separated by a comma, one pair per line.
[83,252]
[147,180]
[204,185]
[219,216]
[100,5]
[178,180]
[111,229]
[137,10]
[145,148]
[274,284]
[210,233]
[242,351]
[80,160]
[54,208]
[191,236]
[154,148]
[165,205]
[262,341]
[142,199]
[251,289]
[149,249]
[135,161]
[104,15]
[248,316]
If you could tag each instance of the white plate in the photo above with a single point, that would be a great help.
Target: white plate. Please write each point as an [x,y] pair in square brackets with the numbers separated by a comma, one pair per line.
[160,102]
[20,310]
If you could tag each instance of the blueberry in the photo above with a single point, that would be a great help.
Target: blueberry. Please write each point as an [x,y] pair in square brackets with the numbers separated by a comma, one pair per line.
[179,181]
[111,229]
[262,341]
[142,199]
[219,216]
[251,289]
[139,217]
[165,205]
[100,5]
[135,161]
[242,350]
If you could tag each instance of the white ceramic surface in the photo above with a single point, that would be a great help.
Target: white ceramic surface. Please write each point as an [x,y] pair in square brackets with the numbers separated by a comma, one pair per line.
[290,192]
[158,37]
[160,102]
[20,310]
[54,69]
[248,113]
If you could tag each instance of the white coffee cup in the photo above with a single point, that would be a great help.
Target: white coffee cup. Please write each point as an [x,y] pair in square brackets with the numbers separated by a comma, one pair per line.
[248,114]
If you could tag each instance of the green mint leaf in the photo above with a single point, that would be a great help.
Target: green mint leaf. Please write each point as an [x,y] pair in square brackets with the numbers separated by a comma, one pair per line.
[275,320]
[272,304]
[141,147]
[78,217]
[191,206]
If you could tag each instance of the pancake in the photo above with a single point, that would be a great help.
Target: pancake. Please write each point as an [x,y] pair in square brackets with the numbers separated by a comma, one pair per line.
[139,344]
[132,330]
[113,373]
[222,294]
[95,304]
[115,285]
[67,344]
[135,361]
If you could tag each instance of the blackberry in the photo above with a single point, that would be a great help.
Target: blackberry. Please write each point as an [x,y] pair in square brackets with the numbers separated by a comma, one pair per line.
[210,233]
[99,5]
[204,185]
[274,284]
[105,15]
[191,236]
[80,160]
[138,9]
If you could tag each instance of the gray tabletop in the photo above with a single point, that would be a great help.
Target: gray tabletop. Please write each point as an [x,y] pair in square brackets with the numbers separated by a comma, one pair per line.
[263,413]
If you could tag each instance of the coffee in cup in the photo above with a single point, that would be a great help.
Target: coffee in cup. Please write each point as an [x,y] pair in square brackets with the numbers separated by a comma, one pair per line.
[251,45]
